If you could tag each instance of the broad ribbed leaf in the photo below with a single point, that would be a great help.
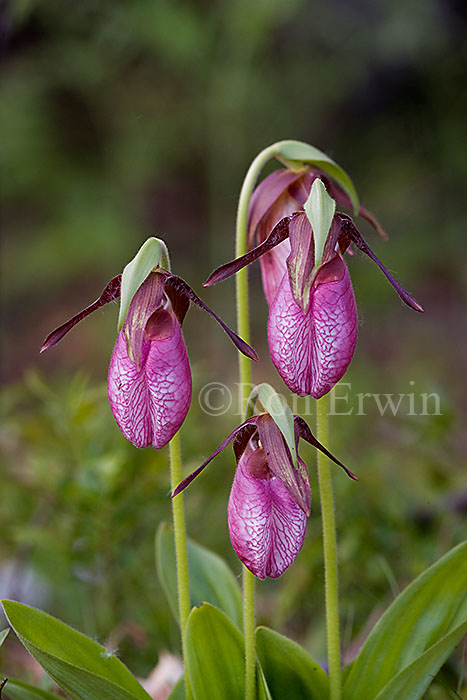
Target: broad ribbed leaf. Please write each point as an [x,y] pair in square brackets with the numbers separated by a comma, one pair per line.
[319,208]
[304,153]
[278,409]
[214,655]
[211,580]
[290,672]
[431,607]
[16,690]
[134,274]
[82,667]
[412,682]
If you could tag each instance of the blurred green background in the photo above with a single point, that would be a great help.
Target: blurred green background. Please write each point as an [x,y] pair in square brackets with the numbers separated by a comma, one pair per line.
[123,120]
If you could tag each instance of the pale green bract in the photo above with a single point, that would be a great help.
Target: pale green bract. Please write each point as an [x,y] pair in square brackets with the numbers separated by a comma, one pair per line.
[151,254]
[319,208]
[278,409]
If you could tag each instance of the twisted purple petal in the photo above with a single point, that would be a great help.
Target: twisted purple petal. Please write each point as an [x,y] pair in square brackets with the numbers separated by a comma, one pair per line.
[150,404]
[267,528]
[312,351]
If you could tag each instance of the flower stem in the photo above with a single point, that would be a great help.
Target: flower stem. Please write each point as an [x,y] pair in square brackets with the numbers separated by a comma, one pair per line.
[243,329]
[330,553]
[178,515]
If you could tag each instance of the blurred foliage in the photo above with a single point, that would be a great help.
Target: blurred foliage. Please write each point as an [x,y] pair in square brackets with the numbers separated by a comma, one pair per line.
[123,120]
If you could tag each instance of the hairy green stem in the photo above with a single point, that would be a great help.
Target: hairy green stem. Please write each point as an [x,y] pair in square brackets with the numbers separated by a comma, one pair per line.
[330,552]
[243,329]
[178,515]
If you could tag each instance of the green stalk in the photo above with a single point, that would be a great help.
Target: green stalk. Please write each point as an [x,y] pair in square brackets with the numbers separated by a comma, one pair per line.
[178,515]
[243,329]
[330,552]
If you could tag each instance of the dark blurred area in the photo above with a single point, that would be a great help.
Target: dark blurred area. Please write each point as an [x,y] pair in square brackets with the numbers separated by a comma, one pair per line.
[123,120]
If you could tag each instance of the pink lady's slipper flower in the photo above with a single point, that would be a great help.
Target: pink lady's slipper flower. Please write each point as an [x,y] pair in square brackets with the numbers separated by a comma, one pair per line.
[270,497]
[312,328]
[149,380]
[280,194]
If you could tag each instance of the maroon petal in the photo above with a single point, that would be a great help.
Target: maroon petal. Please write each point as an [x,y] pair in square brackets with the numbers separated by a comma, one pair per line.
[343,200]
[279,233]
[184,289]
[245,430]
[151,403]
[303,431]
[312,351]
[267,528]
[111,292]
[354,235]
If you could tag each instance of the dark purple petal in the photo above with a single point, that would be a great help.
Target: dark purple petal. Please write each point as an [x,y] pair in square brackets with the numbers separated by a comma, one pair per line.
[303,431]
[150,404]
[301,260]
[265,196]
[247,428]
[267,528]
[312,351]
[183,288]
[343,200]
[111,292]
[281,465]
[356,238]
[145,302]
[279,233]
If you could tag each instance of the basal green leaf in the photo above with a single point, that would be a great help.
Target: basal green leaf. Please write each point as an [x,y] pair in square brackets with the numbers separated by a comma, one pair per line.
[151,253]
[430,608]
[278,409]
[412,682]
[300,152]
[290,672]
[319,208]
[82,667]
[214,655]
[4,635]
[16,690]
[211,580]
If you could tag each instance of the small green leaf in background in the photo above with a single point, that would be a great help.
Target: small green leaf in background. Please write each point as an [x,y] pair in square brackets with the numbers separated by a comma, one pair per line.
[134,274]
[214,655]
[424,614]
[290,672]
[301,152]
[279,410]
[412,682]
[178,692]
[319,208]
[211,580]
[82,667]
[4,635]
[16,690]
